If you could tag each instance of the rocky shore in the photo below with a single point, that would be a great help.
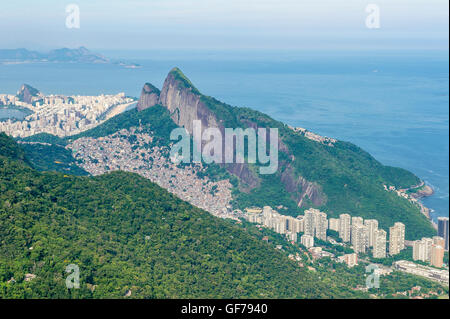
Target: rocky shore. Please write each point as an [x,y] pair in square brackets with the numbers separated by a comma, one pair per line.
[420,191]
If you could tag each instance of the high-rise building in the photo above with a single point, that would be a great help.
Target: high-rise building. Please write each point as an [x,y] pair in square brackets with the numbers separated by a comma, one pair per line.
[379,243]
[294,224]
[334,224]
[321,225]
[439,241]
[357,221]
[437,256]
[428,244]
[344,227]
[300,224]
[443,230]
[418,250]
[267,216]
[280,224]
[359,238]
[309,223]
[372,226]
[422,249]
[307,241]
[316,223]
[396,238]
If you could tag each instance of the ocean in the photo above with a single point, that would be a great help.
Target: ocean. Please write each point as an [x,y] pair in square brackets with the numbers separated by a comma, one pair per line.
[392,104]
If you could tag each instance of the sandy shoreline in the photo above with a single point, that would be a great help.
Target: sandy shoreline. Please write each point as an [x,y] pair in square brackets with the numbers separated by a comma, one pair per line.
[118,109]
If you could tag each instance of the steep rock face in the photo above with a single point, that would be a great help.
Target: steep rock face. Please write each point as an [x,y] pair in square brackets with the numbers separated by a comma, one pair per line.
[302,189]
[184,102]
[149,97]
[28,94]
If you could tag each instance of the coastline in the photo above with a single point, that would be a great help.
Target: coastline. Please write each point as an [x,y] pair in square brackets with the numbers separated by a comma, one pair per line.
[421,191]
[117,109]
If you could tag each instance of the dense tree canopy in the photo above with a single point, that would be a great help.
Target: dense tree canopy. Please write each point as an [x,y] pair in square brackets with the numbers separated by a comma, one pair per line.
[127,234]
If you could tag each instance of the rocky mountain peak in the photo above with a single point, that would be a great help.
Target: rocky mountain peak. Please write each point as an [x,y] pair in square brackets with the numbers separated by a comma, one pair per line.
[149,97]
[177,77]
[28,94]
[184,102]
[186,105]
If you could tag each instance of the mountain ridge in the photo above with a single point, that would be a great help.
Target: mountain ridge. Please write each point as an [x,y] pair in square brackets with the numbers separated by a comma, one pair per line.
[334,176]
[337,176]
[62,55]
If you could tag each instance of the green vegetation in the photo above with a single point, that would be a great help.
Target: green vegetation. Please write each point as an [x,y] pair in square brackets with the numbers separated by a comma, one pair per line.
[44,138]
[155,119]
[10,149]
[416,189]
[336,275]
[345,178]
[405,254]
[350,180]
[126,233]
[267,194]
[152,88]
[52,158]
[183,80]
[397,281]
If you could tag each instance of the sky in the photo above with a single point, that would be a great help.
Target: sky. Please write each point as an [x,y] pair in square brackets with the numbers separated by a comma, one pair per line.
[225,24]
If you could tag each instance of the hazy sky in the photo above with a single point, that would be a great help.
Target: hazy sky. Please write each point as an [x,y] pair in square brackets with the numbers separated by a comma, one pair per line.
[219,24]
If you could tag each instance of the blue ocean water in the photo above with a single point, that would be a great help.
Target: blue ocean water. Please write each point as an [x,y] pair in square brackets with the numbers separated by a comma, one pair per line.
[392,104]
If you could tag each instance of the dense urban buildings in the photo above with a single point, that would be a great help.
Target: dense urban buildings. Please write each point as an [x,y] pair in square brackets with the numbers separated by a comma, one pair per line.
[429,250]
[63,115]
[128,150]
[363,235]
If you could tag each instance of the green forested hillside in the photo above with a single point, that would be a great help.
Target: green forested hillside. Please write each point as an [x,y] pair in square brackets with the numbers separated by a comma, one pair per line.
[156,119]
[350,178]
[52,158]
[127,234]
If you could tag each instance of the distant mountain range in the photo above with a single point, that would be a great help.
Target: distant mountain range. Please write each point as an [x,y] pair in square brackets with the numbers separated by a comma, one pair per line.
[64,55]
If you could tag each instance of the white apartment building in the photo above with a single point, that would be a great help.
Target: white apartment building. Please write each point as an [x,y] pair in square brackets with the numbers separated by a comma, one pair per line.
[396,238]
[379,244]
[372,226]
[345,227]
